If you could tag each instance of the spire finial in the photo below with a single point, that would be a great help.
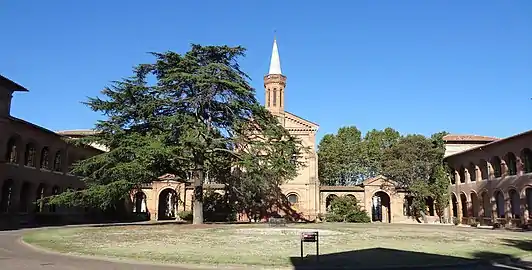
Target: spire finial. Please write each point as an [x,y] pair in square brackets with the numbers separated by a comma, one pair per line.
[275,62]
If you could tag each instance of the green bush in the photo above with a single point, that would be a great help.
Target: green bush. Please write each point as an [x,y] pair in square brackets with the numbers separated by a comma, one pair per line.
[346,209]
[185,215]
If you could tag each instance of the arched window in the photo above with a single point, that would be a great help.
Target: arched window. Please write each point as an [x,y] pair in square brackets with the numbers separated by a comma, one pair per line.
[462,174]
[483,169]
[45,158]
[452,175]
[496,165]
[472,172]
[55,191]
[526,156]
[268,100]
[274,97]
[11,153]
[293,199]
[7,196]
[29,156]
[511,163]
[58,162]
[39,205]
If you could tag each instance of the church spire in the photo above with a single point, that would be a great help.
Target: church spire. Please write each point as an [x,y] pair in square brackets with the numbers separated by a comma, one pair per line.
[274,84]
[275,61]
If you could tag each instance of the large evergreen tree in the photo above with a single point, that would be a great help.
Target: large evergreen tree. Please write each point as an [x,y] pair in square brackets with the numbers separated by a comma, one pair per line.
[185,115]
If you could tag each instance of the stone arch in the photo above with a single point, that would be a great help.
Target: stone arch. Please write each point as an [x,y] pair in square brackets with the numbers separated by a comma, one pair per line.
[55,190]
[496,166]
[486,203]
[13,150]
[454,204]
[475,204]
[472,172]
[40,194]
[452,175]
[526,159]
[139,202]
[352,197]
[463,204]
[24,197]
[293,199]
[498,196]
[30,154]
[167,204]
[45,158]
[7,196]
[526,194]
[511,163]
[462,174]
[381,207]
[515,202]
[329,199]
[484,169]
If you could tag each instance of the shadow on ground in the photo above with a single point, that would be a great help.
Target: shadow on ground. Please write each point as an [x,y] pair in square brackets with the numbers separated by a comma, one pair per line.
[383,258]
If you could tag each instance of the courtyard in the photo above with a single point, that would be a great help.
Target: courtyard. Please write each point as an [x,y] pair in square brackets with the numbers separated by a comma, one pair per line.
[261,246]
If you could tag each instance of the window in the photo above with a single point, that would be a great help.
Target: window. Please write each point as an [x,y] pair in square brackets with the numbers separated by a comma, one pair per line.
[293,199]
[45,158]
[29,157]
[274,97]
[57,162]
[527,160]
[511,163]
[11,153]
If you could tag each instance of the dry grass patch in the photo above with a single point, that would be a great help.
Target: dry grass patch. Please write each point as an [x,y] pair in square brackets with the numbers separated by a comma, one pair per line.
[263,246]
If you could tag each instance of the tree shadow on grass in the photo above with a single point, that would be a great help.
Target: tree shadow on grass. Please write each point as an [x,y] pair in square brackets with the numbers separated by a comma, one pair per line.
[384,258]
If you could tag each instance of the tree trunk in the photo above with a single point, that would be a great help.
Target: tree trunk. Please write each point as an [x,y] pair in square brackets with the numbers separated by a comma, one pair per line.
[198,197]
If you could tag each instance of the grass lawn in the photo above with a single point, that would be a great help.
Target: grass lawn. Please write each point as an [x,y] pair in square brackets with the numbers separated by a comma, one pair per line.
[259,245]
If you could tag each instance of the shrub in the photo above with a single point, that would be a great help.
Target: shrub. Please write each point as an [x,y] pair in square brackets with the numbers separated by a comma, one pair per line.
[186,215]
[346,209]
[216,208]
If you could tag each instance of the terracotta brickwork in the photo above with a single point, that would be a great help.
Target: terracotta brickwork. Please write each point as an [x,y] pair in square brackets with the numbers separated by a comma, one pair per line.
[493,183]
[34,163]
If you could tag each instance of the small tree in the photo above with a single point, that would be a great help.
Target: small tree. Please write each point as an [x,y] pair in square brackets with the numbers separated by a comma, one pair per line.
[439,188]
[346,209]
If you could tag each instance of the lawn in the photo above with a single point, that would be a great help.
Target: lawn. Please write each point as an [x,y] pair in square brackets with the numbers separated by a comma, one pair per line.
[262,246]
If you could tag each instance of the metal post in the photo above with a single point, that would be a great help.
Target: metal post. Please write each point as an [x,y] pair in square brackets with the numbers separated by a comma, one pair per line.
[317,247]
[301,248]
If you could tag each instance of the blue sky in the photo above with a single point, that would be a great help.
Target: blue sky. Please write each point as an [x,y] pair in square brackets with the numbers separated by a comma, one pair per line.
[417,66]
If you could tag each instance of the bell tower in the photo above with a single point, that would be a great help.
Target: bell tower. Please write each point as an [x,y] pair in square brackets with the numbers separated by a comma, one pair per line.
[274,84]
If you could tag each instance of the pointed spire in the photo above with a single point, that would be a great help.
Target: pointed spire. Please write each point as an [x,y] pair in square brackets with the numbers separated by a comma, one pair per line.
[275,62]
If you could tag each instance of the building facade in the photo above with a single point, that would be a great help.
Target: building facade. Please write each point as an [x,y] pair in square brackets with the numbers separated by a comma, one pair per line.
[34,164]
[508,176]
[492,183]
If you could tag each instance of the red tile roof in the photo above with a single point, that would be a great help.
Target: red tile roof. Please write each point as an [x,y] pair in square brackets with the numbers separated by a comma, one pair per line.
[466,137]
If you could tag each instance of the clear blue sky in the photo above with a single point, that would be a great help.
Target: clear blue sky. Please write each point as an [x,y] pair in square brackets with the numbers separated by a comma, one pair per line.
[417,66]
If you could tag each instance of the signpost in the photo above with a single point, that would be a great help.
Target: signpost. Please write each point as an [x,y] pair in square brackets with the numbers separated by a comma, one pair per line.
[310,237]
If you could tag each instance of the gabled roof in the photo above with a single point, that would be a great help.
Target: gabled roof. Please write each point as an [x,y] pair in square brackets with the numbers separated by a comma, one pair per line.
[11,85]
[299,122]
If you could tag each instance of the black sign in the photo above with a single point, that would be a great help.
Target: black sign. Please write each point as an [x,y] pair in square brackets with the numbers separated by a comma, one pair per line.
[309,236]
[313,238]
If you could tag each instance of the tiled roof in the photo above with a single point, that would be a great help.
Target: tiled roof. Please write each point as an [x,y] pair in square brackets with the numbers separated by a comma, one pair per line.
[466,137]
[77,132]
